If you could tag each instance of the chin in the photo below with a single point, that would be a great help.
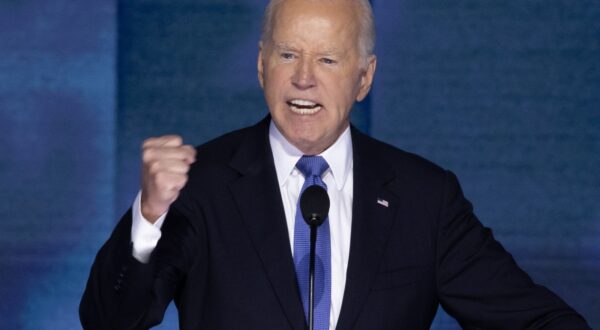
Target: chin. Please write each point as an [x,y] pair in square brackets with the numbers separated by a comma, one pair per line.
[311,145]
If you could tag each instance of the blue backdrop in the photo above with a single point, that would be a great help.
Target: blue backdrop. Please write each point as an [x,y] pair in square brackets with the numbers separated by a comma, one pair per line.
[504,93]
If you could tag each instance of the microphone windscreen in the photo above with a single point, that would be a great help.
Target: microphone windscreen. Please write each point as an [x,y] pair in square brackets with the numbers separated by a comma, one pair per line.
[314,205]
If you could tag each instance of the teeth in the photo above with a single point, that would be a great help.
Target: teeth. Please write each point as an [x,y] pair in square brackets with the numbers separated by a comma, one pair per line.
[304,111]
[304,107]
[303,103]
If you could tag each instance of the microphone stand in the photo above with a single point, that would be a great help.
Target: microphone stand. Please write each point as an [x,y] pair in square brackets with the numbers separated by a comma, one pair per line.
[314,205]
[311,275]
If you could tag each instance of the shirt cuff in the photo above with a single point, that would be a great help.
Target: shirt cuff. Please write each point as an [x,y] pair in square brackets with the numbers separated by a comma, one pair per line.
[144,235]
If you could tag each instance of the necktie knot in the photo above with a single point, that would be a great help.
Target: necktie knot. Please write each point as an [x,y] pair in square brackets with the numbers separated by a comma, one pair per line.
[312,166]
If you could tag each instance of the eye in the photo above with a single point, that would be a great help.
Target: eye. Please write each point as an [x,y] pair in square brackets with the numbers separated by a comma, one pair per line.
[327,60]
[287,56]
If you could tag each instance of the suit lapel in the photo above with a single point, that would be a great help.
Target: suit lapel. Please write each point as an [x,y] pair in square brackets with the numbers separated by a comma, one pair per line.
[258,199]
[373,210]
[257,196]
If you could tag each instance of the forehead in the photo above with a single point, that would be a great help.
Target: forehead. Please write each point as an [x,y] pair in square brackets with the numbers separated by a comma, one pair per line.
[313,21]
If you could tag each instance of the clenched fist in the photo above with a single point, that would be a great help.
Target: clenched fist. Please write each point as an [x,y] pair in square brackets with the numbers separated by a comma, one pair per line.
[165,165]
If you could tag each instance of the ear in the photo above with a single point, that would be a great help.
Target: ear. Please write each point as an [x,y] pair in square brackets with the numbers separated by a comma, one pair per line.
[259,65]
[366,79]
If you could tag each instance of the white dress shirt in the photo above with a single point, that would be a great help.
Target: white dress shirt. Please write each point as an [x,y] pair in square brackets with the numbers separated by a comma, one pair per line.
[339,181]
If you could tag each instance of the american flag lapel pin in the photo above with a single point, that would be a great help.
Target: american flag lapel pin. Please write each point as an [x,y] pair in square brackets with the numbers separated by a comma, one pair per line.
[383,202]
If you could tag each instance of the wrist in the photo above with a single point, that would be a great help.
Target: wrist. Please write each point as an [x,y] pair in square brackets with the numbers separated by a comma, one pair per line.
[150,213]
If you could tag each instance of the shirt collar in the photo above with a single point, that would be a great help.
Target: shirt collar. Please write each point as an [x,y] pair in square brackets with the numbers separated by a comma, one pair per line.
[338,156]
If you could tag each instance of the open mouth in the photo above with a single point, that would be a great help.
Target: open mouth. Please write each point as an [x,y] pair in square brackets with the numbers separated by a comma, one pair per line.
[304,107]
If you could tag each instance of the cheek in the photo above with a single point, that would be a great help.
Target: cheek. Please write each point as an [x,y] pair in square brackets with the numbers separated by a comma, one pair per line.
[343,88]
[277,83]
[344,96]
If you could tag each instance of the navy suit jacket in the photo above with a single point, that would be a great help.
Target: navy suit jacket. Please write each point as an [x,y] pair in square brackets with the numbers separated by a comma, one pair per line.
[225,258]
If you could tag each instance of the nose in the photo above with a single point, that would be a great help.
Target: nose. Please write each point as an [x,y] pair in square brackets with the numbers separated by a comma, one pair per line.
[304,77]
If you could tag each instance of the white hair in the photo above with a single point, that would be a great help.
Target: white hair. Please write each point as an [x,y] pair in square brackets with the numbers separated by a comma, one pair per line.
[366,42]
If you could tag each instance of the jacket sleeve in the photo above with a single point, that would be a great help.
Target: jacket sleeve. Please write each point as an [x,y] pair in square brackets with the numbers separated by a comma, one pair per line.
[122,293]
[480,284]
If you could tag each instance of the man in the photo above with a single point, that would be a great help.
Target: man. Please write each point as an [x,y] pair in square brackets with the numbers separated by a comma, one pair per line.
[216,228]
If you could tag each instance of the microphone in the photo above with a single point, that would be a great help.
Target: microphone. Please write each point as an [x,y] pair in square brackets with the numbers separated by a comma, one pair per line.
[314,205]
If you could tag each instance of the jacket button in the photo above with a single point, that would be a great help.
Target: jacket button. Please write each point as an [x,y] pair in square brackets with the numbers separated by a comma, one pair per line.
[117,287]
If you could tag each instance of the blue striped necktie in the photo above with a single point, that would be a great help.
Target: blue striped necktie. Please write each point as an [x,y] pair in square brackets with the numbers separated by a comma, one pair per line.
[313,167]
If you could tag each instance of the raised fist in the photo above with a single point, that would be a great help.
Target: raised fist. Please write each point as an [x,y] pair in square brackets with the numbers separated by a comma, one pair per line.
[165,165]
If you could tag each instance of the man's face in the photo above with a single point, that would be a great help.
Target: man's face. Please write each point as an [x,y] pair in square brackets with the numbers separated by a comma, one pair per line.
[312,72]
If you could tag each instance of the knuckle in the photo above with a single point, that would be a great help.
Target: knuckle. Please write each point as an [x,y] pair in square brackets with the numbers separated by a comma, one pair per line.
[183,178]
[154,167]
[173,197]
[149,142]
[179,185]
[177,140]
[148,154]
[173,140]
[160,178]
[190,152]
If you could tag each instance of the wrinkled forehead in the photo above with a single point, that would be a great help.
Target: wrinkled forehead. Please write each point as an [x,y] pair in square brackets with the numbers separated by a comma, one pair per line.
[342,10]
[321,16]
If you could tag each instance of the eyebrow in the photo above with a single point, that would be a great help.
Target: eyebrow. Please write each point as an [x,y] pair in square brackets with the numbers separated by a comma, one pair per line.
[283,45]
[328,52]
